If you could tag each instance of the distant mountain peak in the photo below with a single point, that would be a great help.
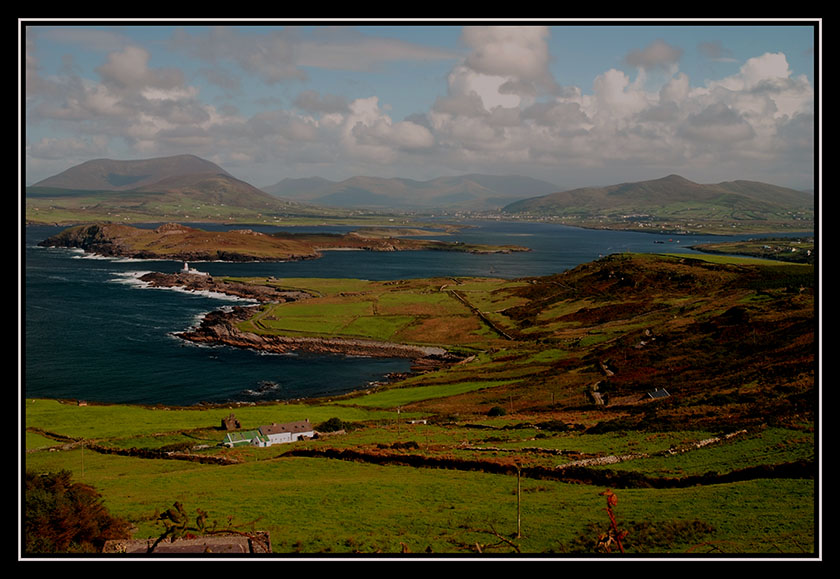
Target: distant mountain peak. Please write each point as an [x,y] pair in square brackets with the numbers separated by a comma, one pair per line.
[670,197]
[122,175]
[676,178]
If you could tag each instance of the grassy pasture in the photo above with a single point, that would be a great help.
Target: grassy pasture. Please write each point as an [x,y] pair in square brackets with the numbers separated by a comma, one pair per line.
[416,312]
[537,375]
[321,506]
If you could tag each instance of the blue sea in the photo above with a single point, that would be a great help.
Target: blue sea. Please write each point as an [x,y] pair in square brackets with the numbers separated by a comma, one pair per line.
[94,332]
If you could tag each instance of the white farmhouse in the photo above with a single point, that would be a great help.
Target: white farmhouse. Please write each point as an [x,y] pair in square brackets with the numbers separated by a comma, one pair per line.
[288,432]
[271,434]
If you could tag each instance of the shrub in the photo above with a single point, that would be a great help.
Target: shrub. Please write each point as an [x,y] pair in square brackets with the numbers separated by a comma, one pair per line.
[66,517]
[646,537]
[553,426]
[335,424]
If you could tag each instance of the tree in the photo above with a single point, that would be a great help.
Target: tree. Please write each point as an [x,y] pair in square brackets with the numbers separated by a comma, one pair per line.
[61,516]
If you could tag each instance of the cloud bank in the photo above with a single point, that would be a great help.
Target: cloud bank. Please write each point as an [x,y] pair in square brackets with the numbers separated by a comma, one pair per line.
[502,110]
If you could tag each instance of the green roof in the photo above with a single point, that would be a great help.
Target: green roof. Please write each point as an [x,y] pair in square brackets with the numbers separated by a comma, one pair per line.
[244,437]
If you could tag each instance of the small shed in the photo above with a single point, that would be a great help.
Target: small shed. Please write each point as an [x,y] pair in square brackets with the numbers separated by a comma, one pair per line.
[657,394]
[245,438]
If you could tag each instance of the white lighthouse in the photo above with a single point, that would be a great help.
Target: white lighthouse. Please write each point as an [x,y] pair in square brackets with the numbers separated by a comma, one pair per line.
[190,270]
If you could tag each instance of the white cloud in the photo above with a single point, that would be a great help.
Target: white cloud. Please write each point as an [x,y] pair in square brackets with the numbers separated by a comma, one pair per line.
[675,90]
[657,55]
[519,52]
[507,66]
[501,107]
[370,134]
[466,82]
[615,97]
[350,49]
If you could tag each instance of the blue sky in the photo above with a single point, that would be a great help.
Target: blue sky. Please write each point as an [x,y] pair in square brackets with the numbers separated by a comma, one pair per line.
[574,103]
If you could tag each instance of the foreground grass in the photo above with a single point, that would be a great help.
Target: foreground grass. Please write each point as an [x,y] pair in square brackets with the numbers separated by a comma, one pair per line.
[108,421]
[319,506]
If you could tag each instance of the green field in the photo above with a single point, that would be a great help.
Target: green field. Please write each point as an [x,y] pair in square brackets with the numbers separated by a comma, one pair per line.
[329,506]
[427,464]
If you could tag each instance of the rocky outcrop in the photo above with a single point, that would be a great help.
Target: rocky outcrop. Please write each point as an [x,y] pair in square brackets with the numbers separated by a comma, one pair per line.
[106,240]
[207,283]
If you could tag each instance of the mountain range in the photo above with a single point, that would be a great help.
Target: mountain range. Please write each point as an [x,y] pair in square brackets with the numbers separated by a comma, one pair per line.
[186,187]
[474,192]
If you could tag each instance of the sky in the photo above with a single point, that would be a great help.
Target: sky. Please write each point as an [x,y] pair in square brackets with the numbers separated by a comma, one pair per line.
[575,103]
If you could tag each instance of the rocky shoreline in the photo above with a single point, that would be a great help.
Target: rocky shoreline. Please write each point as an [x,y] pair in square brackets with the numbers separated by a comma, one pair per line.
[178,242]
[220,327]
[206,283]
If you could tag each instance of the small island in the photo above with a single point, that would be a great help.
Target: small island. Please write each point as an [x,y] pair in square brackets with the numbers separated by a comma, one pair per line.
[182,243]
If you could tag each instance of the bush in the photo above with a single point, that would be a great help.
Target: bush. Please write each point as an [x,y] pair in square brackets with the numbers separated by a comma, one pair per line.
[335,424]
[332,425]
[496,411]
[61,516]
[553,426]
[646,537]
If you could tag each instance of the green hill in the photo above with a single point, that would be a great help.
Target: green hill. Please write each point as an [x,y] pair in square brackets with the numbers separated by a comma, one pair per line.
[674,202]
[118,175]
[179,188]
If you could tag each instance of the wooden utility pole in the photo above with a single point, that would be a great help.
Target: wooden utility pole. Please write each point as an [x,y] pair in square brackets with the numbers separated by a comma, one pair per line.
[518,502]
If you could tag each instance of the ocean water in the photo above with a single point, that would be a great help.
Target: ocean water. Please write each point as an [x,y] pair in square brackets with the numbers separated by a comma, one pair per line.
[93,332]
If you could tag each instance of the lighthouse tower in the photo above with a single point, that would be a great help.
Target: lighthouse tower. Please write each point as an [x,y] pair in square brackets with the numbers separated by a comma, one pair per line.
[190,270]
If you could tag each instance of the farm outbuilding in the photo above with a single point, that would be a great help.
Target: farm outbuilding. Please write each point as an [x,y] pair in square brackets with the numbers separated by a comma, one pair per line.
[244,438]
[657,394]
[271,434]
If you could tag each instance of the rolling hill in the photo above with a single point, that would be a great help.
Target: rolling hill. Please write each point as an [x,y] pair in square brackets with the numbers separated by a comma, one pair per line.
[182,187]
[188,188]
[673,198]
[113,175]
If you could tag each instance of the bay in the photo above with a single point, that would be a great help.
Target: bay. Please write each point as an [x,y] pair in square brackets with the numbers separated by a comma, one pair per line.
[92,332]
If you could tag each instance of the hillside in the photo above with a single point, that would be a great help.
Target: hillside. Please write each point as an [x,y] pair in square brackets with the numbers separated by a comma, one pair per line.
[182,187]
[543,404]
[115,175]
[474,192]
[623,325]
[674,202]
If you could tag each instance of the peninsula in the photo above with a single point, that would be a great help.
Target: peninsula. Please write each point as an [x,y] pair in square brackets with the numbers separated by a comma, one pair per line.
[183,243]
